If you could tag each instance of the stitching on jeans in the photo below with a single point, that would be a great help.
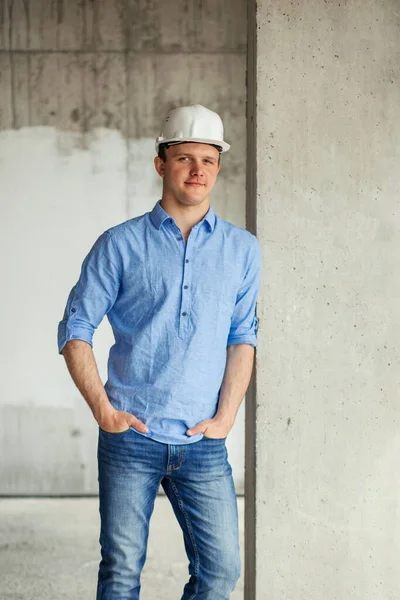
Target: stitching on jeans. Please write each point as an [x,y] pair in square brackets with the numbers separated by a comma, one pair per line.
[176,466]
[189,526]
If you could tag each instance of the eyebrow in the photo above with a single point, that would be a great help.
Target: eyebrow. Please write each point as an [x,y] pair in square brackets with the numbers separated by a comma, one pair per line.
[192,156]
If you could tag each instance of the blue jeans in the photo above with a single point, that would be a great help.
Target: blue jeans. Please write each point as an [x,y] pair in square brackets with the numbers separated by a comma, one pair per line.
[197,478]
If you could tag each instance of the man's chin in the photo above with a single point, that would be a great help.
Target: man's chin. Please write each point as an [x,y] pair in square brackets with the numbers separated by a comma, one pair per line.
[194,199]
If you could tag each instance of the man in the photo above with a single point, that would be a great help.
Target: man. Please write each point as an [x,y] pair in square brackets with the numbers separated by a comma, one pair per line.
[179,287]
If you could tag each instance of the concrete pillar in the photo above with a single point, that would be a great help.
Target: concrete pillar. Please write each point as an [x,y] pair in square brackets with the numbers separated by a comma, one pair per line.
[323,436]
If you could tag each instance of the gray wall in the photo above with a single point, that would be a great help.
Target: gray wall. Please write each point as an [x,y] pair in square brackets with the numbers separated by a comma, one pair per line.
[84,87]
[327,413]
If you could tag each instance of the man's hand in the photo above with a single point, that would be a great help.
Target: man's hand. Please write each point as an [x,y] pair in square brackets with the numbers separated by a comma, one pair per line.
[216,428]
[239,362]
[117,421]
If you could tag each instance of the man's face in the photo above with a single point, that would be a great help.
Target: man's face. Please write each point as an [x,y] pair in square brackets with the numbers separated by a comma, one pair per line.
[190,172]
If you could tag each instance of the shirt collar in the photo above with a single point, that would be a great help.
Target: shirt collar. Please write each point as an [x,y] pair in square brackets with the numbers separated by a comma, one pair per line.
[158,216]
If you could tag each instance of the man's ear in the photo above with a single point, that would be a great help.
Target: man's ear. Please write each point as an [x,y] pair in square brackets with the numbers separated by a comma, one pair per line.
[159,166]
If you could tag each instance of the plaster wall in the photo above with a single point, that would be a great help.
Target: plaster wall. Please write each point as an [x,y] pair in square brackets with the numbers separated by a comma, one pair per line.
[325,113]
[83,91]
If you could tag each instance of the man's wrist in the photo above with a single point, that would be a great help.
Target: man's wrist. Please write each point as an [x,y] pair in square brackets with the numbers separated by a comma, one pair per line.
[103,410]
[225,418]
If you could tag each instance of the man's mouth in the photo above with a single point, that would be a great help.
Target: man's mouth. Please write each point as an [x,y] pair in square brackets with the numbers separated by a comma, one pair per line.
[194,183]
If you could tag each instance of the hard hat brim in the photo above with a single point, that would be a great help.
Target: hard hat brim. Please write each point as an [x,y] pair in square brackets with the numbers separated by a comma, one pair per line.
[160,140]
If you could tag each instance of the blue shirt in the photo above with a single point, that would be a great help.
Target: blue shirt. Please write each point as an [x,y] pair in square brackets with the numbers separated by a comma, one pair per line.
[174,307]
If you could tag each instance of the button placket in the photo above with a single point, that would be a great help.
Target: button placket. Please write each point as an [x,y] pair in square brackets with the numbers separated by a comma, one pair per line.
[184,314]
[176,233]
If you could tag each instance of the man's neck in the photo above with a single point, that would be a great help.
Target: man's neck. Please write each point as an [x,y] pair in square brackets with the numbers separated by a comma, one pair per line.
[186,217]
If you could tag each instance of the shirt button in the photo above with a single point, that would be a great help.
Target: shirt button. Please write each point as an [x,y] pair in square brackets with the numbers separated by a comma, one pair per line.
[184,314]
[170,220]
[73,309]
[185,287]
[187,260]
[179,238]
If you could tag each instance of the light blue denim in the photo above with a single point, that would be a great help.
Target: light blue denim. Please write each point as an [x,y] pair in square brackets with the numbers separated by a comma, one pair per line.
[197,478]
[174,307]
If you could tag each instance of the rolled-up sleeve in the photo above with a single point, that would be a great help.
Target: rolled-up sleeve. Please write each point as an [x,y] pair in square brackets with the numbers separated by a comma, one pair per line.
[93,295]
[244,322]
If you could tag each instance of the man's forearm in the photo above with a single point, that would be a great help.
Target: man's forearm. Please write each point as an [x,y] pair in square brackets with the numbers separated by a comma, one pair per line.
[83,370]
[239,365]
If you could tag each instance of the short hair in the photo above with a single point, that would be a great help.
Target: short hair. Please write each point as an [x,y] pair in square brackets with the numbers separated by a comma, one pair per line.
[162,148]
[162,151]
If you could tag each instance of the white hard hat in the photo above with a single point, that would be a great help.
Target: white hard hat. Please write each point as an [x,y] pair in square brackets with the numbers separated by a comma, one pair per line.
[193,124]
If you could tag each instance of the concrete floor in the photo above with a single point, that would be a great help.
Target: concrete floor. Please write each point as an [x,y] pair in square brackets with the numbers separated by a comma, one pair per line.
[49,551]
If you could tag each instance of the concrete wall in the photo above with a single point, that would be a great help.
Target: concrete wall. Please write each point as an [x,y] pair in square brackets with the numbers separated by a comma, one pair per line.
[84,87]
[326,155]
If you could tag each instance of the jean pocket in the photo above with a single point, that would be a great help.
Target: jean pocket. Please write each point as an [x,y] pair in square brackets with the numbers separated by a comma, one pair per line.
[116,433]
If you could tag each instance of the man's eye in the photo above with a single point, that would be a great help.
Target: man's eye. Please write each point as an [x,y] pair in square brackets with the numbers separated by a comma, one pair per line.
[182,158]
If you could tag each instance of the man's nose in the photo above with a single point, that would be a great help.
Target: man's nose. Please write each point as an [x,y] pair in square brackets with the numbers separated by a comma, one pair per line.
[196,168]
